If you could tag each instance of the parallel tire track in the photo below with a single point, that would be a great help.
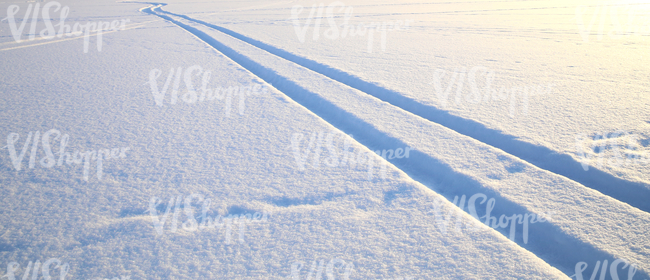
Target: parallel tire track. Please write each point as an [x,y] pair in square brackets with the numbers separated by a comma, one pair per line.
[635,194]
[432,172]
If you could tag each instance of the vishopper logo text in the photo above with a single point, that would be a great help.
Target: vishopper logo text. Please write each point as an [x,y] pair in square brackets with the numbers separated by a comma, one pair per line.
[486,93]
[207,222]
[34,268]
[331,270]
[63,29]
[333,33]
[613,269]
[347,156]
[443,219]
[49,160]
[206,93]
[615,149]
[607,19]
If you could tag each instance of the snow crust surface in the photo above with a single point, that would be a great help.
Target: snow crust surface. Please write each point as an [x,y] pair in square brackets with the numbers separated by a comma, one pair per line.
[315,156]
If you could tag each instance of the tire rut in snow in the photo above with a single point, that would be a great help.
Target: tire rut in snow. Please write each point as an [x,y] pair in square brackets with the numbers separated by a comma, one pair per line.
[635,194]
[430,171]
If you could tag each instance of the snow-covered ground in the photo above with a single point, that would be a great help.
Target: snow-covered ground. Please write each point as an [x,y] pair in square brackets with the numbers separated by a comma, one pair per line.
[325,140]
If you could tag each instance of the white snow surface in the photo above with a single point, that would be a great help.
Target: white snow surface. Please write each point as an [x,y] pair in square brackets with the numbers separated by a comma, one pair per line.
[287,166]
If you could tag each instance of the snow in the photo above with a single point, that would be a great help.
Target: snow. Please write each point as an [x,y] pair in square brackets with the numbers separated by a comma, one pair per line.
[229,140]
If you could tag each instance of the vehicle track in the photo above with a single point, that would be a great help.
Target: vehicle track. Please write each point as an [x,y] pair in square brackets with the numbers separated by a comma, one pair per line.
[430,171]
[636,194]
